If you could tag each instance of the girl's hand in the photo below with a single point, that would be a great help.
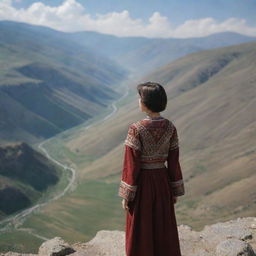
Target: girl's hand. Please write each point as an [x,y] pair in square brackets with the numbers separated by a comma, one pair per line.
[125,204]
[175,199]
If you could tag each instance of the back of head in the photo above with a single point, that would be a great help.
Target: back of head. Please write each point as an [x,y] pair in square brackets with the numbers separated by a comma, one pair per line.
[153,96]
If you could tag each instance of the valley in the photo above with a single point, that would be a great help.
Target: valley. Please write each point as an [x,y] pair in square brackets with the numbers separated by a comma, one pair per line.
[211,100]
[13,225]
[219,178]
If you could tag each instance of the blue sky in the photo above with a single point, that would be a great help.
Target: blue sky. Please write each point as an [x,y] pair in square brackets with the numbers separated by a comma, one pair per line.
[150,18]
[178,11]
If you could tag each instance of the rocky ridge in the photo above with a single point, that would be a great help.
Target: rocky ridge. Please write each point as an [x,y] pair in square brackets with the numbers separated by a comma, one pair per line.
[232,238]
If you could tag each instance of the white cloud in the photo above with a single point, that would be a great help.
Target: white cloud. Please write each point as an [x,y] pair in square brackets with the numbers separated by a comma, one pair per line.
[71,16]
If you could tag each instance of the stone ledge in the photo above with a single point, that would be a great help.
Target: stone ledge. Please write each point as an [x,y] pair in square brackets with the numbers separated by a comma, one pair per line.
[231,238]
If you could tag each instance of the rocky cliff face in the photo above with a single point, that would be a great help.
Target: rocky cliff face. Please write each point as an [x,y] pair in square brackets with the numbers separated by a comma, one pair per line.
[231,238]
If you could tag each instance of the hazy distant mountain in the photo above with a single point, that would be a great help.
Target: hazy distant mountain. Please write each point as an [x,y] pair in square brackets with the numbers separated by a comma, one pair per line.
[144,54]
[49,84]
[25,175]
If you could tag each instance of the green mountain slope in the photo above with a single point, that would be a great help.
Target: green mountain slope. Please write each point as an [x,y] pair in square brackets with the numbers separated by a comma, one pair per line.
[48,84]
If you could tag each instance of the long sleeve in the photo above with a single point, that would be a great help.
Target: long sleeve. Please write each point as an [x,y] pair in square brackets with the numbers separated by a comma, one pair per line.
[131,165]
[174,168]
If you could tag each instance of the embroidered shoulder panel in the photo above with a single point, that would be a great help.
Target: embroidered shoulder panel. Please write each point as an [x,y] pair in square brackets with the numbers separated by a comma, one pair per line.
[153,139]
[156,139]
[132,138]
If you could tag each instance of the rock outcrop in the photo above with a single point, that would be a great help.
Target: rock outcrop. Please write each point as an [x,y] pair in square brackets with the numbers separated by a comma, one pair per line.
[231,238]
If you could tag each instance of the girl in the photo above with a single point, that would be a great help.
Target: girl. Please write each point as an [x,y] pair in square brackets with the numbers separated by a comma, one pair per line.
[150,189]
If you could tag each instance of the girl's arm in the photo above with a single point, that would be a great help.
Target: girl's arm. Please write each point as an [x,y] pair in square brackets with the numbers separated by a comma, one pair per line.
[174,169]
[131,165]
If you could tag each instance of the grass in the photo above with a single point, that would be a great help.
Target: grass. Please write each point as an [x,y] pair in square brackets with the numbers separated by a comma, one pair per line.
[19,241]
[51,191]
[58,150]
[93,206]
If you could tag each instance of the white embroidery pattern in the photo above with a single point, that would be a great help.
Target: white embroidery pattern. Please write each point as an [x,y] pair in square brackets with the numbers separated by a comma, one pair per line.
[127,191]
[132,139]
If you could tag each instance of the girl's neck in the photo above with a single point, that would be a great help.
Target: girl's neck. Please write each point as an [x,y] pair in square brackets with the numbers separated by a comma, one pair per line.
[153,114]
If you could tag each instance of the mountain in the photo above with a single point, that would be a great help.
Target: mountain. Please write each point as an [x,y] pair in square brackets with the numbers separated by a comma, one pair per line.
[142,55]
[25,175]
[134,52]
[51,81]
[212,103]
[48,84]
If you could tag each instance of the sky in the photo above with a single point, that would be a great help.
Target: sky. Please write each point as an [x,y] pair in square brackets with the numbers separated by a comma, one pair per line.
[147,18]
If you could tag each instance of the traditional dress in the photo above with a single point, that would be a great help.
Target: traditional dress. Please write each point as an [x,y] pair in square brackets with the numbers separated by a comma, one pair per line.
[149,186]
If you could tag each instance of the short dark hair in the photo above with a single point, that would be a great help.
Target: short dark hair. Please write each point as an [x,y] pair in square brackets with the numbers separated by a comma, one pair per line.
[153,96]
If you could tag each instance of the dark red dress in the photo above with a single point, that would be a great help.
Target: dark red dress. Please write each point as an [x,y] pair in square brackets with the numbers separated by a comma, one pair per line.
[149,187]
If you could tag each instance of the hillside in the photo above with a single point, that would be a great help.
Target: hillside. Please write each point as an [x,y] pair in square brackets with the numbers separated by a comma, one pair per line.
[25,175]
[211,101]
[49,84]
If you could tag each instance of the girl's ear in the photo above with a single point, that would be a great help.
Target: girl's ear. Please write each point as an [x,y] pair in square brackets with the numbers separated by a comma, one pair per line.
[144,108]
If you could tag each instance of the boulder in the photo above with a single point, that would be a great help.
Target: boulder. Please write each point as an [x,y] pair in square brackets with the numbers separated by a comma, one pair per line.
[234,247]
[55,247]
